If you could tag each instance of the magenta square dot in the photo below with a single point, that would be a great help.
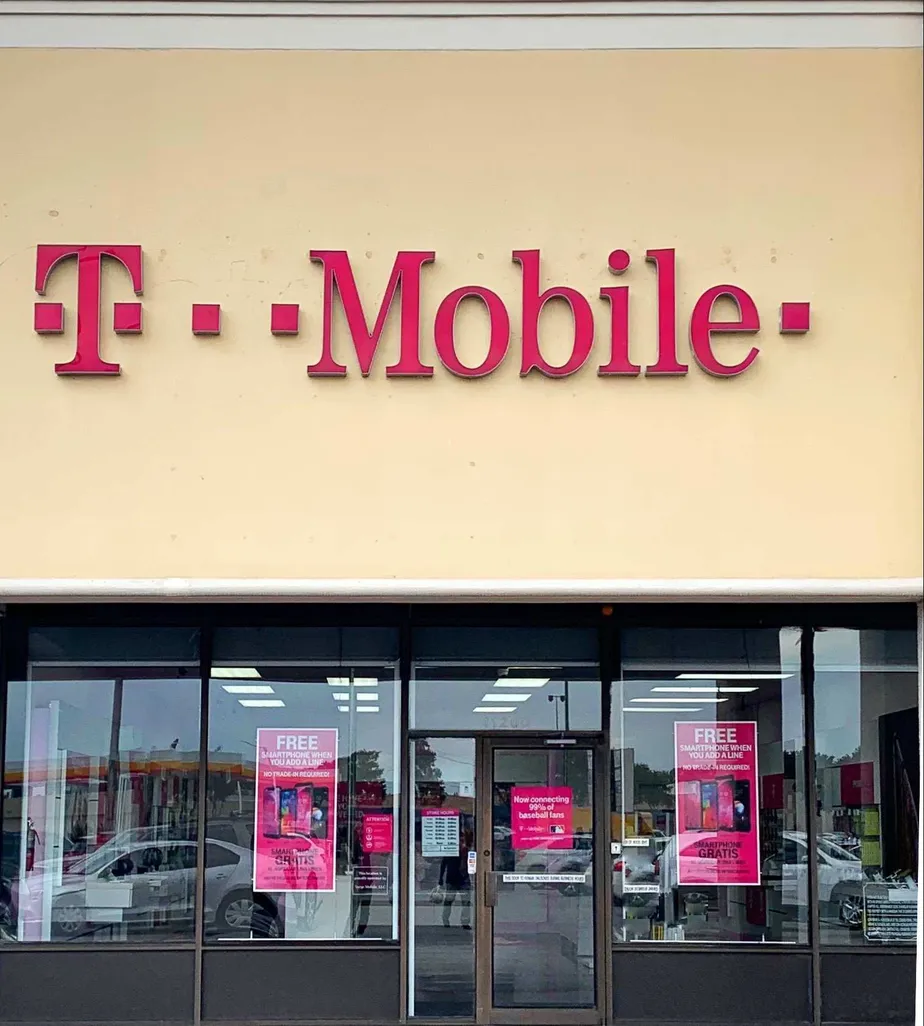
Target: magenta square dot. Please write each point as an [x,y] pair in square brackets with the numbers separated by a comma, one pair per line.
[206,318]
[795,318]
[49,318]
[284,318]
[126,318]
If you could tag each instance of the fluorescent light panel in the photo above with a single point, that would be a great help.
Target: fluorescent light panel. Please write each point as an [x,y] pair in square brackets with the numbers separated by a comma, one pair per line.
[506,698]
[356,682]
[678,698]
[247,689]
[662,709]
[719,675]
[367,696]
[521,682]
[262,703]
[494,708]
[706,690]
[235,673]
[340,696]
[367,708]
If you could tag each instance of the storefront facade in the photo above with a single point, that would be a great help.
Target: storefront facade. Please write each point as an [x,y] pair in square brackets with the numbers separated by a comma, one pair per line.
[461,547]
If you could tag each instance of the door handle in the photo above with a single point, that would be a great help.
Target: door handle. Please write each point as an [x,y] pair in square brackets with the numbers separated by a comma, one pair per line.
[490,890]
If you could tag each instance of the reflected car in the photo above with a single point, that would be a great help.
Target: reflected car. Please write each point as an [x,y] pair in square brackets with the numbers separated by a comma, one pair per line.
[140,884]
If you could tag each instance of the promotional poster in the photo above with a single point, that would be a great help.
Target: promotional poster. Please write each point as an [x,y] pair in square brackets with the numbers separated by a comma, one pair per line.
[296,809]
[716,789]
[541,817]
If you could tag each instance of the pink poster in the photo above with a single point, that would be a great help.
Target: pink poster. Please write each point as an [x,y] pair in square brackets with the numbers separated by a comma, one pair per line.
[296,809]
[377,833]
[716,787]
[541,817]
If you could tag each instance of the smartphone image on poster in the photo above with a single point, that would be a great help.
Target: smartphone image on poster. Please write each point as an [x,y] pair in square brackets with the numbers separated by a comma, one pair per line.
[270,812]
[319,813]
[304,802]
[743,805]
[691,805]
[710,804]
[726,789]
[288,810]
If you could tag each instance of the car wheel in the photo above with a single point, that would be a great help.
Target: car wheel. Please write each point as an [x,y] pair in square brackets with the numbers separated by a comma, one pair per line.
[849,907]
[68,921]
[241,912]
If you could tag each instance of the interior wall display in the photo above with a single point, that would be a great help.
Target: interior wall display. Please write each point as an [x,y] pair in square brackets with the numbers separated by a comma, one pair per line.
[542,817]
[296,809]
[716,791]
[439,833]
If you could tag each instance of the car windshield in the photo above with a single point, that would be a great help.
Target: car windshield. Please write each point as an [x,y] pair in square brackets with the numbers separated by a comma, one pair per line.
[835,851]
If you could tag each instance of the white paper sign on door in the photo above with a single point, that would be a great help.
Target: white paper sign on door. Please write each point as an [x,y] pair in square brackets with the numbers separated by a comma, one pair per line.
[439,833]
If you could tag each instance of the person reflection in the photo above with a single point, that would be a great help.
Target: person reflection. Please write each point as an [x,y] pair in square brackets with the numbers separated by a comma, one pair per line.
[456,883]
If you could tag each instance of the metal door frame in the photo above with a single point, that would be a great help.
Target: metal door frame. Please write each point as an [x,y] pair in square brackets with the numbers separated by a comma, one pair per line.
[486,1014]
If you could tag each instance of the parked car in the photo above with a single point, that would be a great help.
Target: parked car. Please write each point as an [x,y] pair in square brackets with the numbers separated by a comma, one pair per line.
[149,878]
[840,876]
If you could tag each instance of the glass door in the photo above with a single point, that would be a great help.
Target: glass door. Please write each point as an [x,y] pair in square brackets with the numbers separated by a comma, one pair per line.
[537,882]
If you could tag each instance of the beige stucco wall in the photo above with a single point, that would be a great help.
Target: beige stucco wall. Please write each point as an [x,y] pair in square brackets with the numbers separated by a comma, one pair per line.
[795,174]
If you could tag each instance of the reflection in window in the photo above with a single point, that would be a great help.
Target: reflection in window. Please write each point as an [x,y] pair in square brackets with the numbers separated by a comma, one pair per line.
[313,843]
[100,788]
[707,786]
[485,678]
[867,751]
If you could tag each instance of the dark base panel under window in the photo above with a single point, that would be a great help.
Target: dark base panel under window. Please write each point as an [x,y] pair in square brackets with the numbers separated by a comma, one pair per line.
[867,988]
[301,985]
[712,987]
[123,987]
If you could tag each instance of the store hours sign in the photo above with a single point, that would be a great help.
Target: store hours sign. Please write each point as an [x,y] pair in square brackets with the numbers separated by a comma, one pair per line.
[723,310]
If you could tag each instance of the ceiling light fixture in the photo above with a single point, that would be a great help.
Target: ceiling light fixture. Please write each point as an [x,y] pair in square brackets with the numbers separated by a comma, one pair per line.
[234,672]
[679,698]
[367,696]
[662,709]
[494,708]
[720,675]
[340,696]
[343,708]
[521,682]
[262,703]
[706,690]
[356,682]
[247,689]
[506,698]
[367,708]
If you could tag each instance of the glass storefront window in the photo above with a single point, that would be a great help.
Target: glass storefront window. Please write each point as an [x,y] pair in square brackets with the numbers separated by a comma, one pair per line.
[867,751]
[100,788]
[303,773]
[443,906]
[519,678]
[708,787]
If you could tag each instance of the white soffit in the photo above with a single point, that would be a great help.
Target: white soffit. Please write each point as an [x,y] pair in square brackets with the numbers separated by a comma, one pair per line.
[886,589]
[456,25]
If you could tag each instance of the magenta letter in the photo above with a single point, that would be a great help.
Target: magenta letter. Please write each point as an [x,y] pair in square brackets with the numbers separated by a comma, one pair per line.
[702,328]
[533,303]
[339,274]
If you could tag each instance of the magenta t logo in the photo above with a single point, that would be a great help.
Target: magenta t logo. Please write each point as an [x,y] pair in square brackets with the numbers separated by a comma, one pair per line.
[49,317]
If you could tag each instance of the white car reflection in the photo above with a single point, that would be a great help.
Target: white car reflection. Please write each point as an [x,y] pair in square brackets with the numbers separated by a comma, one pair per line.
[148,885]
